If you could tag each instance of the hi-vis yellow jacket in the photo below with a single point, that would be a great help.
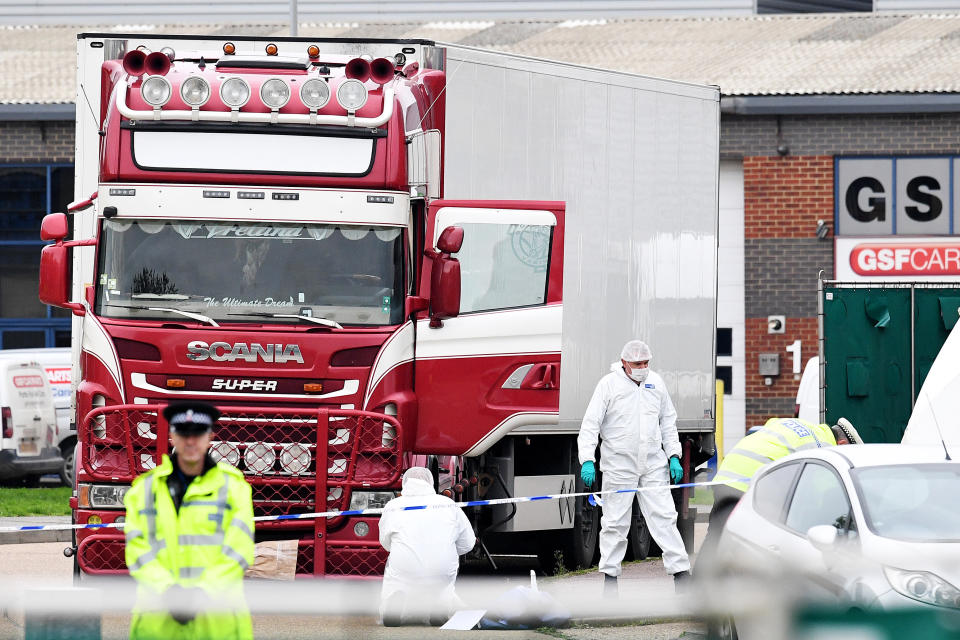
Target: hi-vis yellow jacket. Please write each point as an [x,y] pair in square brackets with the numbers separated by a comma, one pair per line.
[208,544]
[777,438]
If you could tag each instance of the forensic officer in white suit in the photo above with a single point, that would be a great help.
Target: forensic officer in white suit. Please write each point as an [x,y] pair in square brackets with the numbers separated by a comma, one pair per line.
[634,418]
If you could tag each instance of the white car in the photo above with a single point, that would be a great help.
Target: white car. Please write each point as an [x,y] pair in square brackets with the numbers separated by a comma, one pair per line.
[869,526]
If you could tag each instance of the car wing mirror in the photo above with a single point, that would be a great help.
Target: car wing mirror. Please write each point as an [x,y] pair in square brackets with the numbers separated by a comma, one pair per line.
[823,537]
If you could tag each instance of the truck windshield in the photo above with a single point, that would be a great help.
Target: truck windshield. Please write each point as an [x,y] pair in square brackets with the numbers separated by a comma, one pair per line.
[350,274]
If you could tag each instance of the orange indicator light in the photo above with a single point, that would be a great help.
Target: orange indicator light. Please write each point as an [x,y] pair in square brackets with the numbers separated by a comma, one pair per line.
[312,387]
[229,49]
[176,383]
[271,49]
[313,51]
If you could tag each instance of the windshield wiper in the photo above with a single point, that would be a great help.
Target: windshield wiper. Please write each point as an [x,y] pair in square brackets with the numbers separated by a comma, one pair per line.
[264,314]
[199,317]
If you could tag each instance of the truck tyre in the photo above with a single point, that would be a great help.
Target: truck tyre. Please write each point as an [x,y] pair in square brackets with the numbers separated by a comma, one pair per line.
[581,542]
[574,548]
[638,538]
[68,471]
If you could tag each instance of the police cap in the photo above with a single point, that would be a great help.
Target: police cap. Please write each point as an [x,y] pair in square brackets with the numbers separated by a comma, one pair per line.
[188,418]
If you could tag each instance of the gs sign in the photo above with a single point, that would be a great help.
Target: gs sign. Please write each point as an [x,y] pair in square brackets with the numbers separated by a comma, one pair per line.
[886,196]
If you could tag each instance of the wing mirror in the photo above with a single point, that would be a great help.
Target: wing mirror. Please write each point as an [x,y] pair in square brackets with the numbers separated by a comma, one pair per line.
[55,263]
[445,277]
[823,537]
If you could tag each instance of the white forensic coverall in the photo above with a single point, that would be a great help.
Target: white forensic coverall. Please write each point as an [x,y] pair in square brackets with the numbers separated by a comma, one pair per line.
[425,546]
[638,434]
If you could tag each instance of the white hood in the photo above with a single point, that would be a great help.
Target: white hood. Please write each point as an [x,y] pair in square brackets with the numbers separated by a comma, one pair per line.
[417,487]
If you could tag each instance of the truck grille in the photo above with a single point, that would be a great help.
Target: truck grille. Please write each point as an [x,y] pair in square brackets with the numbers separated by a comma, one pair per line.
[103,554]
[296,461]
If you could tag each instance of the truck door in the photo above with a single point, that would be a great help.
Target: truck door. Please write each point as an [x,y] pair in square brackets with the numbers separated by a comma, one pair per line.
[496,365]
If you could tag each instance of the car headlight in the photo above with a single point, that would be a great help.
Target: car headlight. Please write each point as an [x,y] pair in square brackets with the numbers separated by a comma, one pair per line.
[351,94]
[924,587]
[101,496]
[235,92]
[195,91]
[360,500]
[315,93]
[155,91]
[275,93]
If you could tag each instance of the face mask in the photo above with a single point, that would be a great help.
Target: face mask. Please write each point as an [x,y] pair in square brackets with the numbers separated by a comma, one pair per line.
[638,375]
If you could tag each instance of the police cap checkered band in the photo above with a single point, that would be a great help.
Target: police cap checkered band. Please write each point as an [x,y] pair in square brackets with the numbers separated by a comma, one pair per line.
[195,417]
[191,417]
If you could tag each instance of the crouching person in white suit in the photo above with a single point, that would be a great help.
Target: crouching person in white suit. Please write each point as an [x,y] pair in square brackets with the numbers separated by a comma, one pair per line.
[425,546]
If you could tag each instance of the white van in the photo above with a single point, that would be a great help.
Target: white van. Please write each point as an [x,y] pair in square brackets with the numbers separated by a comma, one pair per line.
[808,393]
[57,363]
[28,447]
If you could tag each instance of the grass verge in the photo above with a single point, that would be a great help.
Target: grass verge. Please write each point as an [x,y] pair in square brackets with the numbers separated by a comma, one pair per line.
[54,501]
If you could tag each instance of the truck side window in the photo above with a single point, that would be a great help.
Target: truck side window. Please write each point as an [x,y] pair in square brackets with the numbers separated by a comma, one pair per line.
[503,266]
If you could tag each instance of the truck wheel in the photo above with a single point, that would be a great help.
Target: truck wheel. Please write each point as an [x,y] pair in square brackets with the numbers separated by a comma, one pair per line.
[68,472]
[581,542]
[638,538]
[574,548]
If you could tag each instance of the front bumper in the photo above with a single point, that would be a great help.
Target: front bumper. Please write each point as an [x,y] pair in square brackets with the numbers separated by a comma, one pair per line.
[13,466]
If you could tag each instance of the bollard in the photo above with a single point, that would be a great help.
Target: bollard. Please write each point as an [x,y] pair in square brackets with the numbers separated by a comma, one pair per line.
[42,621]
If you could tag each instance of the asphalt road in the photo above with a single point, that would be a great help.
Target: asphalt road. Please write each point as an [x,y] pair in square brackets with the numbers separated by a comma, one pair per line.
[646,609]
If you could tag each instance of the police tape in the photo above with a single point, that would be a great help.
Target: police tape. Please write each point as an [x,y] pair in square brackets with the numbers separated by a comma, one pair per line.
[593,497]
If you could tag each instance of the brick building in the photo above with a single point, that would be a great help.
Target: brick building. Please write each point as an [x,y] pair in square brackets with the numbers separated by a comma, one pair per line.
[807,100]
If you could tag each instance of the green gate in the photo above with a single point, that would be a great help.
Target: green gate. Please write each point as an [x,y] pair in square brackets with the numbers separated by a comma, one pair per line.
[878,342]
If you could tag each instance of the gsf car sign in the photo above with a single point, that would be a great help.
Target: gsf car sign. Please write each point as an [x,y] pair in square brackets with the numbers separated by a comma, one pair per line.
[896,259]
[902,196]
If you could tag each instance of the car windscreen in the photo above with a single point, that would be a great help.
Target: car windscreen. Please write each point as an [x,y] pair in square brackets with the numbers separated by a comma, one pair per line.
[907,501]
[247,271]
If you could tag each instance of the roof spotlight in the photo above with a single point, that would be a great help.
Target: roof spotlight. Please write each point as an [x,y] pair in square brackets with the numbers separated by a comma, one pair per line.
[351,94]
[315,93]
[235,92]
[155,91]
[195,91]
[275,93]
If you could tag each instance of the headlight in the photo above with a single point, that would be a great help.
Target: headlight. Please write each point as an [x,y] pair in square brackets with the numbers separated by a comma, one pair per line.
[923,586]
[351,94]
[360,500]
[295,459]
[259,458]
[226,452]
[101,496]
[195,91]
[235,92]
[315,93]
[155,91]
[275,93]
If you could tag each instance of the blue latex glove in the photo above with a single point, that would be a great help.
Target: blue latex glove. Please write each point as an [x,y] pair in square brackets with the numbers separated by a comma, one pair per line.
[676,471]
[588,472]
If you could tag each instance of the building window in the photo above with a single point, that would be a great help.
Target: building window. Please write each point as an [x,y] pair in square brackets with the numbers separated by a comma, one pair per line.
[27,193]
[724,342]
[726,374]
